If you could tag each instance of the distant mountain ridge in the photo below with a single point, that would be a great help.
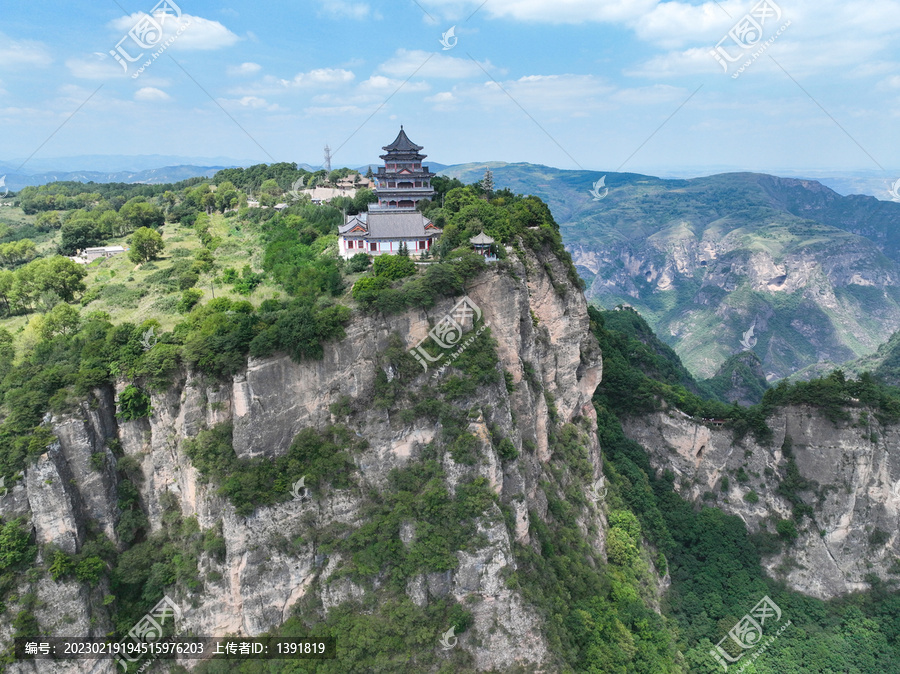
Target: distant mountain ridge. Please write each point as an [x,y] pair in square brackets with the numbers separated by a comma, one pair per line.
[815,273]
[703,259]
[148,169]
[157,176]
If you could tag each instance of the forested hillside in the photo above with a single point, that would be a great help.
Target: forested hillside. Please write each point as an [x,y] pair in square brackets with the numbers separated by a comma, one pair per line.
[140,394]
[714,564]
[814,273]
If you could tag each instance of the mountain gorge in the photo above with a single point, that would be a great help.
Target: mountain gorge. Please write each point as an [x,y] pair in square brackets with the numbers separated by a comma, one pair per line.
[813,272]
[556,492]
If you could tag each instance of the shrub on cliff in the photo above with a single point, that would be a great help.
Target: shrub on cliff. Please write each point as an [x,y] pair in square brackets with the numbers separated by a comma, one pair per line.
[16,549]
[393,267]
[133,404]
[444,279]
[367,289]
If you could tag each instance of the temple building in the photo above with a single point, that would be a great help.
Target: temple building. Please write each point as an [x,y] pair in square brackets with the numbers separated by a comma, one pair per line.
[394,221]
[402,182]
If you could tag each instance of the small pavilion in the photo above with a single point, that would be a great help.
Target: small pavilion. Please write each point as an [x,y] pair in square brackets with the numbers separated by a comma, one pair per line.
[484,245]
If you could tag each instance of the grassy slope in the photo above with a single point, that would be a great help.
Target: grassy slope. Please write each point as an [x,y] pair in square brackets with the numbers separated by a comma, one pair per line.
[126,294]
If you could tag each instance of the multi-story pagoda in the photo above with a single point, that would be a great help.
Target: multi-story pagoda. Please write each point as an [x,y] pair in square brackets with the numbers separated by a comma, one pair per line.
[394,224]
[402,182]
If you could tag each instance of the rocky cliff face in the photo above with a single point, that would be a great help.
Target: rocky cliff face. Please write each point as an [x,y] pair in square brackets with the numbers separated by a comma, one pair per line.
[810,292]
[849,473]
[543,341]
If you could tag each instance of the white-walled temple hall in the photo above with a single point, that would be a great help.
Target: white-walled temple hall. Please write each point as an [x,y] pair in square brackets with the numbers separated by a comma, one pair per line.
[394,221]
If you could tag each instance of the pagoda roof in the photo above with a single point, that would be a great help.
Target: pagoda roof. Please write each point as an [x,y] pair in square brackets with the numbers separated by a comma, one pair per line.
[481,239]
[389,225]
[402,144]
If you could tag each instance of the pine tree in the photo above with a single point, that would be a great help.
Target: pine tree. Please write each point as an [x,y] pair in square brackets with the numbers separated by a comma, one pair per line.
[403,250]
[487,183]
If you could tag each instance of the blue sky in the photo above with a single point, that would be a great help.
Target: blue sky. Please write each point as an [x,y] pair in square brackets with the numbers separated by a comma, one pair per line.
[625,85]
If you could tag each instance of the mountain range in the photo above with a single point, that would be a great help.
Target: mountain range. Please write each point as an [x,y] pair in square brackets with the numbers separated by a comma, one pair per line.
[148,169]
[814,273]
[810,274]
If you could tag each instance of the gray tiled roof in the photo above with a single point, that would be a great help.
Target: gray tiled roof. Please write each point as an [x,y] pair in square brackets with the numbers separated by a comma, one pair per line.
[481,238]
[352,221]
[402,144]
[390,225]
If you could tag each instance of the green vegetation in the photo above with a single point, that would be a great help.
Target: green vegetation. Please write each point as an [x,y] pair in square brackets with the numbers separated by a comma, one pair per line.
[133,404]
[514,220]
[68,330]
[16,550]
[714,564]
[740,379]
[322,458]
[834,395]
[393,267]
[146,245]
[646,225]
[638,379]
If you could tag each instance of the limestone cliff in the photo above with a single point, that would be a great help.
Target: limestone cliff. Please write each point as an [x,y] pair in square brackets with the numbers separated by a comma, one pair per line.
[539,321]
[847,472]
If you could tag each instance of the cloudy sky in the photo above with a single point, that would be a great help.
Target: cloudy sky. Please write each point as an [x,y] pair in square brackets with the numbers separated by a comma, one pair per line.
[631,85]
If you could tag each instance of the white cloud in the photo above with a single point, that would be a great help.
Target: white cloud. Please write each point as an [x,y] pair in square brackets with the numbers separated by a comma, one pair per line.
[250,103]
[243,69]
[548,11]
[15,53]
[334,110]
[677,64]
[443,101]
[96,66]
[385,85]
[342,9]
[558,94]
[198,33]
[823,34]
[320,77]
[151,94]
[428,64]
[442,97]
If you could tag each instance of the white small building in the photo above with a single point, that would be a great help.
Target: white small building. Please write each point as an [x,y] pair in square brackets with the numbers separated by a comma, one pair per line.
[91,254]
[378,232]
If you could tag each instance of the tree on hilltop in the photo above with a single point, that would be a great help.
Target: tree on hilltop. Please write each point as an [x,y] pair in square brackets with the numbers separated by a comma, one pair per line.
[146,244]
